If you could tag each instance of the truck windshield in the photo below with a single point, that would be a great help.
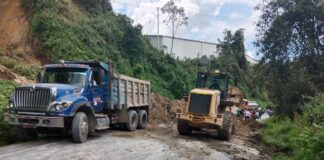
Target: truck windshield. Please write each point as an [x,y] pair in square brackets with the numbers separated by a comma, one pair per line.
[72,76]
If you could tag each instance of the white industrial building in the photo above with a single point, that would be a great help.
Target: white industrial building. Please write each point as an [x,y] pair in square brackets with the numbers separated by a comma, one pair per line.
[187,48]
[183,48]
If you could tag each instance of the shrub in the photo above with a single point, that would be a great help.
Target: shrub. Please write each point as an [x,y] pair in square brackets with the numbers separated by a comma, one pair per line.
[301,138]
[7,132]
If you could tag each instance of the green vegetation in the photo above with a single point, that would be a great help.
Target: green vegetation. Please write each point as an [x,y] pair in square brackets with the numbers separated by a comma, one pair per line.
[292,73]
[289,35]
[18,68]
[301,138]
[89,30]
[7,132]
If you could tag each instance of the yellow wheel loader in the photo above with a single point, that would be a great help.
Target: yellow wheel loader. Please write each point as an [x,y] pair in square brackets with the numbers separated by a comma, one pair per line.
[208,106]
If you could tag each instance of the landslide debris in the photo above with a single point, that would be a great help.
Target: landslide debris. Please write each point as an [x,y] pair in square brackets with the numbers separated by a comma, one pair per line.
[163,110]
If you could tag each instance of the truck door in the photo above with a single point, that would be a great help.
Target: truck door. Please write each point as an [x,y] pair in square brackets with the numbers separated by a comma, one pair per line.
[96,91]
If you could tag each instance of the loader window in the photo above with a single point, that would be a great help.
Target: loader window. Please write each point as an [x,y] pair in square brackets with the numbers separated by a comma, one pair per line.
[199,103]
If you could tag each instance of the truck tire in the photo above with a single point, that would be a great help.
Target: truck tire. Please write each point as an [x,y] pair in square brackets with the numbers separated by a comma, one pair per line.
[26,134]
[183,127]
[132,123]
[142,119]
[225,131]
[80,127]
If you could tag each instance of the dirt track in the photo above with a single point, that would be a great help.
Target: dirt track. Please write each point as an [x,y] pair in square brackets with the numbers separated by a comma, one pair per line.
[155,142]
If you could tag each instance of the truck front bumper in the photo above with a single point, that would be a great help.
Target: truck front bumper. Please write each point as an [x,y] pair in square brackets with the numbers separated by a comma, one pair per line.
[32,121]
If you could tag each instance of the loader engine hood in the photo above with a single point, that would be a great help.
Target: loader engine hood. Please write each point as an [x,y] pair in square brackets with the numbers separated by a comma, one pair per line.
[200,100]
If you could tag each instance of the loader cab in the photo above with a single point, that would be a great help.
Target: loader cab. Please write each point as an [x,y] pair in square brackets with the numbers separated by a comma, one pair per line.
[213,80]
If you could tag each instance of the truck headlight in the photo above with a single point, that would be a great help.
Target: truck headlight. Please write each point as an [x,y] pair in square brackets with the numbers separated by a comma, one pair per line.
[60,106]
[10,102]
[11,105]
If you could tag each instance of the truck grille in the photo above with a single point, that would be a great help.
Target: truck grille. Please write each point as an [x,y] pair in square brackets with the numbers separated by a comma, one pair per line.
[30,99]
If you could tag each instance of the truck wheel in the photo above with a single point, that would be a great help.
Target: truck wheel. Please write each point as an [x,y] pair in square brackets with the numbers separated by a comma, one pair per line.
[225,132]
[26,134]
[80,128]
[132,123]
[183,127]
[142,119]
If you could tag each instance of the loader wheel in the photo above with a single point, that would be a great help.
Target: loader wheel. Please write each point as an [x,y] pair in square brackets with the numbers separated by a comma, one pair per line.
[26,134]
[132,123]
[80,128]
[225,132]
[183,127]
[142,119]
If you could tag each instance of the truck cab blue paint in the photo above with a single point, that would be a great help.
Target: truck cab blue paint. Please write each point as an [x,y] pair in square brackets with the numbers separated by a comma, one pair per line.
[97,95]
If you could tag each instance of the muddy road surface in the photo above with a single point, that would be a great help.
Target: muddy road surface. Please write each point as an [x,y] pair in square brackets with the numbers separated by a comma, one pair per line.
[156,142]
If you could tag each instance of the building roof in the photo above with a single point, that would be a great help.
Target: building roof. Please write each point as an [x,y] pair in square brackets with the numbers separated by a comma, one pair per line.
[185,39]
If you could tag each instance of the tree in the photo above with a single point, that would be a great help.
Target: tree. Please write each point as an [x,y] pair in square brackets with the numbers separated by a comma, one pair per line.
[176,18]
[232,54]
[289,38]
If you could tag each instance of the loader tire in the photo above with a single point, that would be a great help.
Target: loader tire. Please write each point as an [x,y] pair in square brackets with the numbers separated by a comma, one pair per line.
[225,131]
[142,119]
[183,127]
[26,134]
[80,127]
[132,123]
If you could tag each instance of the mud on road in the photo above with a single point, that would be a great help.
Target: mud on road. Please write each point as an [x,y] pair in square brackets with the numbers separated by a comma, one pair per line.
[156,142]
[159,141]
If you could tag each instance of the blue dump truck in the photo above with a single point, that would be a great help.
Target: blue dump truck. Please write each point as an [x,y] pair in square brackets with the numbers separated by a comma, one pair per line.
[79,98]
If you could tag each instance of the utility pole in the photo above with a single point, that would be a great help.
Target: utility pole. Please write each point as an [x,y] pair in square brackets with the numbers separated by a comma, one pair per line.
[158,28]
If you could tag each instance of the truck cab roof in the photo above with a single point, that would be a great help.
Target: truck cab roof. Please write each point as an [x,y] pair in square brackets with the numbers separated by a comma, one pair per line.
[79,64]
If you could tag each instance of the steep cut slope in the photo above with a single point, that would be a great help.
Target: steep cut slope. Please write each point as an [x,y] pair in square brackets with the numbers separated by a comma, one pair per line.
[14,27]
[15,41]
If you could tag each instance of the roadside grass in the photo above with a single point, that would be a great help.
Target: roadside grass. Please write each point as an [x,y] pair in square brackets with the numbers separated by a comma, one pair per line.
[8,133]
[301,138]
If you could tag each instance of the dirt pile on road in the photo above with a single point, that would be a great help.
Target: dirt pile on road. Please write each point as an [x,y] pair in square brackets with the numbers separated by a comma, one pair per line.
[163,110]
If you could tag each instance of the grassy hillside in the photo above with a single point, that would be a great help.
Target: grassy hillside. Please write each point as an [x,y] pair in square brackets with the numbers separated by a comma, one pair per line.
[89,30]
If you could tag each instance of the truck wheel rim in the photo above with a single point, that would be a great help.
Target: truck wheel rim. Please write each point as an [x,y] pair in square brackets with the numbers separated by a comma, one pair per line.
[84,128]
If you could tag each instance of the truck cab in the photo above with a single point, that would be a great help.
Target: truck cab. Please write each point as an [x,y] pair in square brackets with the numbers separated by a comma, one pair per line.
[78,98]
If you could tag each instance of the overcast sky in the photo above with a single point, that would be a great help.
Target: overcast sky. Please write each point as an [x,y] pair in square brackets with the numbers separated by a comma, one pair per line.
[207,18]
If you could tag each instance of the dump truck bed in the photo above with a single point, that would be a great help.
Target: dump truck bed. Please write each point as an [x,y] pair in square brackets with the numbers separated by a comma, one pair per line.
[129,92]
